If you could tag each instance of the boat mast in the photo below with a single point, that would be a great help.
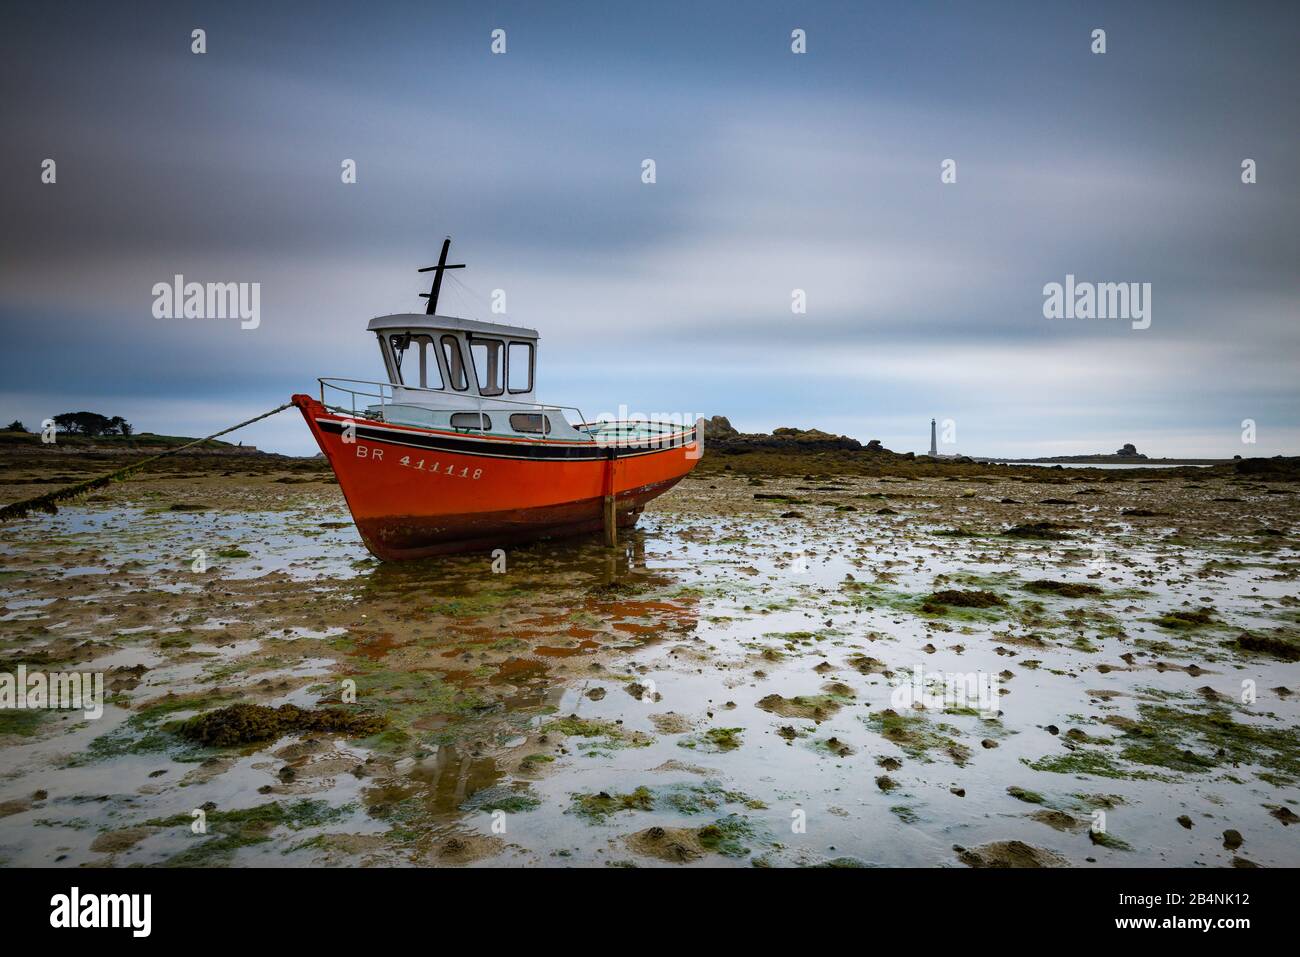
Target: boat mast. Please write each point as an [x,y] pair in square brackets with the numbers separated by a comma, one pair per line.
[432,295]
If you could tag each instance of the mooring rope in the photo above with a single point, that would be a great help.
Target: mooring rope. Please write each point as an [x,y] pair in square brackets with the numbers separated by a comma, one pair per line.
[47,502]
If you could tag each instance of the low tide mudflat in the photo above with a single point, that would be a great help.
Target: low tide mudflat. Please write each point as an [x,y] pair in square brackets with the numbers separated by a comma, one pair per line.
[722,689]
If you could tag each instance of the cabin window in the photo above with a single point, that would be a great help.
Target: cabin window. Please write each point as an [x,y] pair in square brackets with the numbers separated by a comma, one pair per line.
[471,420]
[489,360]
[455,363]
[385,350]
[531,422]
[398,344]
[430,371]
[520,367]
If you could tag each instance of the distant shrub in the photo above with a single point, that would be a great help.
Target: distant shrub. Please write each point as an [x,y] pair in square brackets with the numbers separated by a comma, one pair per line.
[92,424]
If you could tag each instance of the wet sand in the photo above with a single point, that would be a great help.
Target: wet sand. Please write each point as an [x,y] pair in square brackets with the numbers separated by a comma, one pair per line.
[722,689]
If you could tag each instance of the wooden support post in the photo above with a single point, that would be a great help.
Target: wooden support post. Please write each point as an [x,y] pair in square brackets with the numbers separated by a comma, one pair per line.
[611,513]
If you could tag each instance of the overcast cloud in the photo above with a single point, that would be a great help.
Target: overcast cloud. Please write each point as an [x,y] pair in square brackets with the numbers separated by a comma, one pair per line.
[775,172]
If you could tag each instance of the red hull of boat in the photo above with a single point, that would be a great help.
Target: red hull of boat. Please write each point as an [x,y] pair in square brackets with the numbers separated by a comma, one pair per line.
[419,492]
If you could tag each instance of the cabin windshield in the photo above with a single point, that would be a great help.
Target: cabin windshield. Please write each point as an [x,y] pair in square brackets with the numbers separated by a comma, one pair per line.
[415,360]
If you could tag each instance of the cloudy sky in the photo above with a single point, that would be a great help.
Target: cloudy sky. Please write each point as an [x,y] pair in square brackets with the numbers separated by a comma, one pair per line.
[775,172]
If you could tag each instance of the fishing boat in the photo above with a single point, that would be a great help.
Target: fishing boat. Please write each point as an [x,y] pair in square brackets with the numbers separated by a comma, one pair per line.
[452,451]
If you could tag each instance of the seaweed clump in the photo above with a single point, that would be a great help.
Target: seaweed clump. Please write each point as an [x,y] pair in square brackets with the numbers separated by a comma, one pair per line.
[1064,589]
[1008,854]
[1269,645]
[1187,619]
[1049,531]
[949,598]
[245,723]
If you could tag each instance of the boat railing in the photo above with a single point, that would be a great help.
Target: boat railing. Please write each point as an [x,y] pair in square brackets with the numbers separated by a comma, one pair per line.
[387,398]
[635,427]
[638,433]
[605,432]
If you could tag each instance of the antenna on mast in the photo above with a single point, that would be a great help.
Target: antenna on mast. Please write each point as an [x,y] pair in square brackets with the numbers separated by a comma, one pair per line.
[432,295]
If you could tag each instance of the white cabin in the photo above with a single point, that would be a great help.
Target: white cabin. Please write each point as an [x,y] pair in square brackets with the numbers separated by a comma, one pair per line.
[464,374]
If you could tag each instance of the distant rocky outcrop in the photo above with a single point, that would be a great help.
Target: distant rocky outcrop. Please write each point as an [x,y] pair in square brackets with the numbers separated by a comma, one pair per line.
[719,427]
[1128,453]
[721,435]
[1281,467]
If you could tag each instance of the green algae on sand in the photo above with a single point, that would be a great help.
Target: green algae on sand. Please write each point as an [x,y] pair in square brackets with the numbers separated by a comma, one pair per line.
[502,797]
[1187,740]
[597,807]
[231,830]
[714,739]
[916,737]
[810,707]
[1165,737]
[688,798]
[22,722]
[679,845]
[598,735]
[1022,794]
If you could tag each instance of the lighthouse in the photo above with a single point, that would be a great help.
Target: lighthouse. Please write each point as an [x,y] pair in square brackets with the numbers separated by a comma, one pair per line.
[934,445]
